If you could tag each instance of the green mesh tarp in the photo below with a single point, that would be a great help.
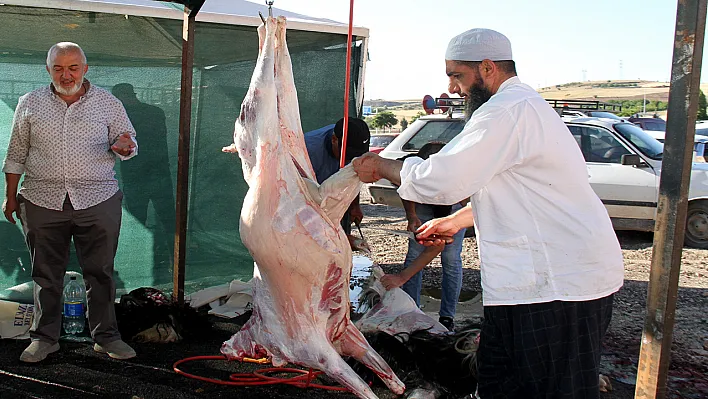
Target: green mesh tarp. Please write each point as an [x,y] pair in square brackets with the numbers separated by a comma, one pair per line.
[146,53]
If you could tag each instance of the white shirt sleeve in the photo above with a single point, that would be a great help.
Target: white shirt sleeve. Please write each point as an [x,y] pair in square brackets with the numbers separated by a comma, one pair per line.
[487,146]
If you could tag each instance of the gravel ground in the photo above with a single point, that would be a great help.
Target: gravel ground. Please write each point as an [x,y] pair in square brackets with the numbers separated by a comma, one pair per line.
[689,366]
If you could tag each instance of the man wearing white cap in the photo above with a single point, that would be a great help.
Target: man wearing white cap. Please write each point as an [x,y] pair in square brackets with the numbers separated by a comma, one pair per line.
[550,261]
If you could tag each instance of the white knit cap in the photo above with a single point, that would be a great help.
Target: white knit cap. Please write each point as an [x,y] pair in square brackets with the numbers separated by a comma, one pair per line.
[477,45]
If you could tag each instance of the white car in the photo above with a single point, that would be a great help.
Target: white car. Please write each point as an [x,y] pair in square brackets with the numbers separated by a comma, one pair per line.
[700,144]
[426,129]
[568,115]
[624,164]
[702,128]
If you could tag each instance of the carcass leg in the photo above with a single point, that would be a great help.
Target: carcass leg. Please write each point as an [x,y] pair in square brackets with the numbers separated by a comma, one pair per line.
[288,107]
[340,371]
[353,343]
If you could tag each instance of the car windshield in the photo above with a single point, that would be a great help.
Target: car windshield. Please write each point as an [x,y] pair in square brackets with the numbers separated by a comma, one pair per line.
[655,126]
[648,145]
[381,140]
[702,131]
[442,131]
[601,114]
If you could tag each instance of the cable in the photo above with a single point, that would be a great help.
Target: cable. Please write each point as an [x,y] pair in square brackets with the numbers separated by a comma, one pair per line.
[259,377]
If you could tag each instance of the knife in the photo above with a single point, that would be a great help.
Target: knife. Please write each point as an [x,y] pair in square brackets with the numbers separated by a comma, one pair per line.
[411,235]
[402,233]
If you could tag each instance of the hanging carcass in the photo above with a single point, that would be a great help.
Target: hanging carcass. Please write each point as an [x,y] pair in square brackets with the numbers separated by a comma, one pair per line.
[290,225]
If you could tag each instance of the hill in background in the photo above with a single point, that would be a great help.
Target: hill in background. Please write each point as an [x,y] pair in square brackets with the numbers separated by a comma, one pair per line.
[603,91]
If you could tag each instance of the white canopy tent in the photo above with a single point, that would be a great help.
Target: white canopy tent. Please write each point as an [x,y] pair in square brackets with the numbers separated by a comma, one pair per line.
[140,42]
[232,12]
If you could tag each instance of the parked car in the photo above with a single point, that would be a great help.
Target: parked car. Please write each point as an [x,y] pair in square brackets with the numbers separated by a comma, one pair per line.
[380,141]
[702,128]
[623,161]
[425,129]
[700,144]
[604,114]
[573,114]
[651,124]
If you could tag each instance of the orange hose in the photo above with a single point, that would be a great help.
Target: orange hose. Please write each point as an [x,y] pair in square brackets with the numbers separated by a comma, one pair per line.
[345,128]
[259,377]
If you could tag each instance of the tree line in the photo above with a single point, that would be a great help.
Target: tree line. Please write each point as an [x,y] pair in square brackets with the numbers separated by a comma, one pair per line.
[631,107]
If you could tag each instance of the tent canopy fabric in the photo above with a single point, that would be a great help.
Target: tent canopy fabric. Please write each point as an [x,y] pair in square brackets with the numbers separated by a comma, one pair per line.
[231,12]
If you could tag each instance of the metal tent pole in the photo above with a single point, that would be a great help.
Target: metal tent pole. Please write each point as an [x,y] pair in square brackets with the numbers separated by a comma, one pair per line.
[655,353]
[345,127]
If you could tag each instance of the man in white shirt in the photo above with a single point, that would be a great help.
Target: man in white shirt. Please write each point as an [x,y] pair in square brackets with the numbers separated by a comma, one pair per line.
[65,138]
[550,261]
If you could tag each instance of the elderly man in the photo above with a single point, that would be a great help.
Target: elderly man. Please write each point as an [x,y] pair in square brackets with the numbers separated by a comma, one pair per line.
[65,138]
[550,261]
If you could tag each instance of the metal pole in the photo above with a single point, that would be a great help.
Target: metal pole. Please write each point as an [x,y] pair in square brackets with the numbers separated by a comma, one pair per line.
[362,73]
[185,120]
[347,74]
[655,352]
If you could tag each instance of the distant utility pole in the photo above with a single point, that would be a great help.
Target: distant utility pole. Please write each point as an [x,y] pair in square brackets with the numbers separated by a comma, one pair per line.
[644,103]
[585,75]
[620,69]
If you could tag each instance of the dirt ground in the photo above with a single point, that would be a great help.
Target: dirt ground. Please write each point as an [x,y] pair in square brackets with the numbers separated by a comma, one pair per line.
[688,376]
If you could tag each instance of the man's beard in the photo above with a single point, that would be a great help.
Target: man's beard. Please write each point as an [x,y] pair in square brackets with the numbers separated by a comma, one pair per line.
[68,91]
[477,96]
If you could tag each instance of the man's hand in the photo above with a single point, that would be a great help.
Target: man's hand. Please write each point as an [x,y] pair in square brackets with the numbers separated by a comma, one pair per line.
[10,206]
[358,244]
[437,232]
[371,167]
[413,223]
[391,281]
[368,167]
[230,149]
[124,145]
[355,214]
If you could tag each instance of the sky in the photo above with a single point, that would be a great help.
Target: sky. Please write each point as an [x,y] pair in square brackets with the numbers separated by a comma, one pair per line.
[553,41]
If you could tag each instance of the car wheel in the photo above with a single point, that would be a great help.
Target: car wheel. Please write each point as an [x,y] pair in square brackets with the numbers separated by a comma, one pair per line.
[697,225]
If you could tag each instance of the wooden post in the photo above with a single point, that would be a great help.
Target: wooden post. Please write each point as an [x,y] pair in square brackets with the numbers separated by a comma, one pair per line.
[655,353]
[185,120]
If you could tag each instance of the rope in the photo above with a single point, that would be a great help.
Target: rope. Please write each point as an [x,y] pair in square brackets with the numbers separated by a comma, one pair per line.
[345,128]
[259,377]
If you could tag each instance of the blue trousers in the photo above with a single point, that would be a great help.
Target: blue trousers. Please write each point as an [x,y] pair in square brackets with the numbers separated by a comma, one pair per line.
[451,266]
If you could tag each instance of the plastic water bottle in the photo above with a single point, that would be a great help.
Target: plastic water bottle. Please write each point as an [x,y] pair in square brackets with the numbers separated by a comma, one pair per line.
[74,319]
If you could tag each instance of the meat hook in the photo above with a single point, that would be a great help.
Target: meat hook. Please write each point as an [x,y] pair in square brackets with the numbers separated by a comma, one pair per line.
[269,3]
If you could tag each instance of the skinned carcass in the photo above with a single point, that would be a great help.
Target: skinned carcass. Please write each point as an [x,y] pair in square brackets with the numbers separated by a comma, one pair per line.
[290,225]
